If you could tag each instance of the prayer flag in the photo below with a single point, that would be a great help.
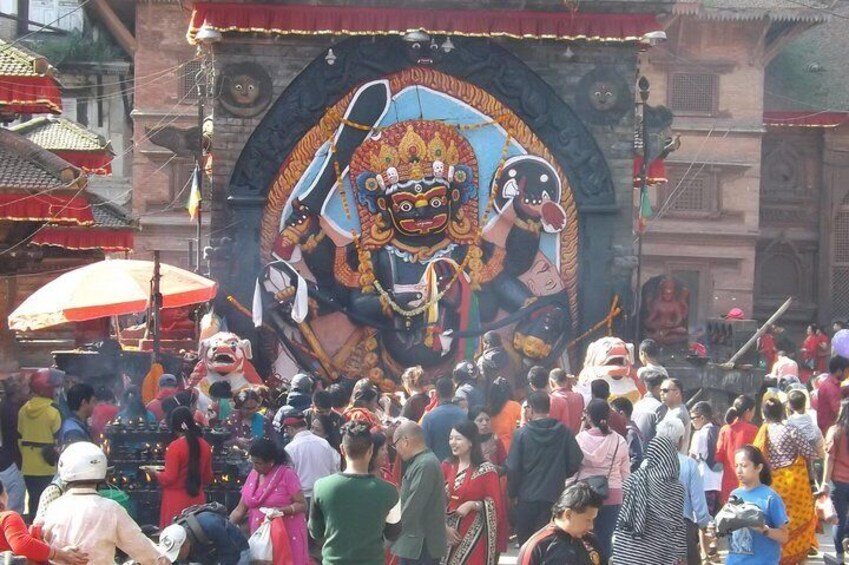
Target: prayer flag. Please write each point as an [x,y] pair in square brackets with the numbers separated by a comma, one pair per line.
[194,196]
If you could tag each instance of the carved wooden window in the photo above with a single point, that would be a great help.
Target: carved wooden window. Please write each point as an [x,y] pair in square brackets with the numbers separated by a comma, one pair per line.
[692,193]
[188,88]
[840,263]
[693,94]
[181,182]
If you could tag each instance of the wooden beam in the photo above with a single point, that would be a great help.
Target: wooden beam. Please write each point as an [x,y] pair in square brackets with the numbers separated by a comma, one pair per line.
[775,46]
[115,26]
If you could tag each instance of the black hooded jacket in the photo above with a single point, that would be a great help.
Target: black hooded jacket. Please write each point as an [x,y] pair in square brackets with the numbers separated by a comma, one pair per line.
[543,455]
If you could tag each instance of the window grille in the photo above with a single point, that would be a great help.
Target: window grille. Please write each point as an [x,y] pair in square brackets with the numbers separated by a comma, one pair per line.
[693,93]
[189,81]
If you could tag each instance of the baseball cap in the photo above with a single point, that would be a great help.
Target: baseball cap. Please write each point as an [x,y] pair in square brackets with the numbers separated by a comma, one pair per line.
[287,416]
[168,381]
[302,382]
[171,540]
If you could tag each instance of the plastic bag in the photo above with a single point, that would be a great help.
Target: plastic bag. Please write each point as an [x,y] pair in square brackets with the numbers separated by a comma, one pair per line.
[261,548]
[826,512]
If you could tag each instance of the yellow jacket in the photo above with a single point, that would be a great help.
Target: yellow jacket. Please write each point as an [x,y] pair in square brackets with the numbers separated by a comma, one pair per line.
[38,423]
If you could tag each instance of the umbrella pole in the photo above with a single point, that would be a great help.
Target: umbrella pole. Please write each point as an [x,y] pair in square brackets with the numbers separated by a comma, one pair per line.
[156,306]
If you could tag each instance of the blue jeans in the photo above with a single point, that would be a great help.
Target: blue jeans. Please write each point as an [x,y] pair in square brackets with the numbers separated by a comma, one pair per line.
[840,498]
[604,525]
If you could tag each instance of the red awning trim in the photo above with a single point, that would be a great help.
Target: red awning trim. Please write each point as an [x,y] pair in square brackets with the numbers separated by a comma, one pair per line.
[30,95]
[348,20]
[83,239]
[19,207]
[94,162]
[656,173]
[806,119]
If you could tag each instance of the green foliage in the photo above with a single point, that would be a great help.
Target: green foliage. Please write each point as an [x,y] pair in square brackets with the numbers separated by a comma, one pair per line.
[76,47]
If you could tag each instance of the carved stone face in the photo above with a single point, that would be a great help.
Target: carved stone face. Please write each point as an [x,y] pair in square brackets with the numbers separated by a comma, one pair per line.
[603,96]
[244,89]
[420,207]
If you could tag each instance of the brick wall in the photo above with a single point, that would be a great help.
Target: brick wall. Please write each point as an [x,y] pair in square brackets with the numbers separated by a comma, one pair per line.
[161,36]
[727,147]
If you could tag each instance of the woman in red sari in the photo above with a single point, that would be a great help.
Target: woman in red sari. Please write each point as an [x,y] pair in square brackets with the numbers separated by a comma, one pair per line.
[476,521]
[809,354]
[737,432]
[823,351]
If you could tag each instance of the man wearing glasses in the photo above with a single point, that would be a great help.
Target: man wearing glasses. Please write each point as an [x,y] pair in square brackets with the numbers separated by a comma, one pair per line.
[672,397]
[423,538]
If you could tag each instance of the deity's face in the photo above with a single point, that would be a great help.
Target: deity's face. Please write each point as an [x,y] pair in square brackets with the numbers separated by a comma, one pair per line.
[667,290]
[543,278]
[603,96]
[420,207]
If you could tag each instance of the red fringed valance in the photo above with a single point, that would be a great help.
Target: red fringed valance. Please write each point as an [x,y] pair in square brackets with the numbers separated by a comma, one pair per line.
[30,95]
[806,119]
[81,239]
[348,20]
[19,207]
[656,173]
[96,163]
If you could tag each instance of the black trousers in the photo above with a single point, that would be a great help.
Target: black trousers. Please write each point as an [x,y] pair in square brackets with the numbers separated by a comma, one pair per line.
[694,555]
[529,517]
[35,486]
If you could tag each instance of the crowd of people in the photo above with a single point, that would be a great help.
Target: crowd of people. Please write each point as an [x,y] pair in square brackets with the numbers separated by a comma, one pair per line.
[453,471]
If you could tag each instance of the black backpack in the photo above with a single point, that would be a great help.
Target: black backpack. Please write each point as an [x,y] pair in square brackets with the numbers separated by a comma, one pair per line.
[188,519]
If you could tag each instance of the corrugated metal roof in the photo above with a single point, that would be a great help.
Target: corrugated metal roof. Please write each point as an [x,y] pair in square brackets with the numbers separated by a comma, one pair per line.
[810,73]
[748,10]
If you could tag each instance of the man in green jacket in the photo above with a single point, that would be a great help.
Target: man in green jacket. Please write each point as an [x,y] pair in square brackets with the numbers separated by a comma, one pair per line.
[422,540]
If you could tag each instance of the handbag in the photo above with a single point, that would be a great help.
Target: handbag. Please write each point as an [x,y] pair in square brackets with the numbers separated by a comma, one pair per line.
[738,514]
[826,512]
[601,483]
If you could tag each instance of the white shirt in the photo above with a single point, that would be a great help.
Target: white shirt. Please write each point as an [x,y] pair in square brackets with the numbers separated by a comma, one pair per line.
[312,458]
[96,525]
[699,451]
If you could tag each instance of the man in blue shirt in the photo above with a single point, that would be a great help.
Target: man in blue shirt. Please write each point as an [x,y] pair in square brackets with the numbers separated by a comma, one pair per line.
[81,404]
[437,423]
[205,537]
[696,515]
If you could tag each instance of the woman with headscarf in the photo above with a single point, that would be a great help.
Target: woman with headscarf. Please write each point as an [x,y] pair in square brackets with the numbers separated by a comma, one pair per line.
[364,405]
[650,529]
[788,453]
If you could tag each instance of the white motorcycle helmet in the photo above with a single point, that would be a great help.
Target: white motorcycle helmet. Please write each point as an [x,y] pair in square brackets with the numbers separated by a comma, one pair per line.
[82,461]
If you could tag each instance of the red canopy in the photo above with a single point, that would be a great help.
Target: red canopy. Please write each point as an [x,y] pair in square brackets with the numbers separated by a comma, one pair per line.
[349,20]
[93,162]
[807,119]
[22,207]
[29,95]
[110,241]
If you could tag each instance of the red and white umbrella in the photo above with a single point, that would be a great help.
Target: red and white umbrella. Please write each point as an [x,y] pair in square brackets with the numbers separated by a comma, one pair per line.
[113,287]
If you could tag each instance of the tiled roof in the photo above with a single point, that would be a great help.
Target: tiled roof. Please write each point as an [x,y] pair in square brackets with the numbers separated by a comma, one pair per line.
[18,62]
[26,166]
[810,73]
[109,215]
[61,134]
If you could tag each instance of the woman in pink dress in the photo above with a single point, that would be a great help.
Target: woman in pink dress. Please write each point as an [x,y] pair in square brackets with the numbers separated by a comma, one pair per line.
[274,484]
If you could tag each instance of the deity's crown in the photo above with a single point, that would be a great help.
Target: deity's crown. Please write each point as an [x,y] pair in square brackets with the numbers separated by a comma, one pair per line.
[412,150]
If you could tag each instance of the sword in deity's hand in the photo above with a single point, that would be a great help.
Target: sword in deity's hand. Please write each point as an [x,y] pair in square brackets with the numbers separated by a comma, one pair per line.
[368,106]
